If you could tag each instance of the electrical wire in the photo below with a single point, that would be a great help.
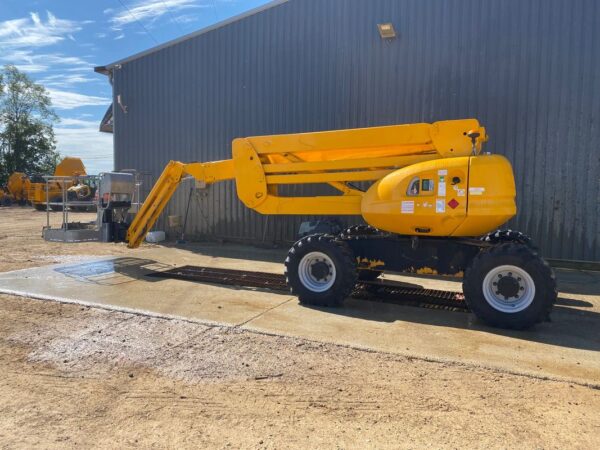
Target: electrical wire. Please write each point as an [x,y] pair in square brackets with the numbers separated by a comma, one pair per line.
[133,16]
[214,3]
[173,18]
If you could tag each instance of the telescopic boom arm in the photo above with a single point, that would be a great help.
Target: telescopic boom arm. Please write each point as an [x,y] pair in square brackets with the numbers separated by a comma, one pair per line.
[164,188]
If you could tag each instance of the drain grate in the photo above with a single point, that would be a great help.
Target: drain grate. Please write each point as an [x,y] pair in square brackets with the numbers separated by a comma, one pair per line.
[385,291]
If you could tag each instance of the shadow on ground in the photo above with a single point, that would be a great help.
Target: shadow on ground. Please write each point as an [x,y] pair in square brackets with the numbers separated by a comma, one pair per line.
[569,281]
[569,327]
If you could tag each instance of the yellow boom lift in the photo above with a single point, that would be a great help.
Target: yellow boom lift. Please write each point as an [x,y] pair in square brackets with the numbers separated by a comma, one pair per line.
[431,200]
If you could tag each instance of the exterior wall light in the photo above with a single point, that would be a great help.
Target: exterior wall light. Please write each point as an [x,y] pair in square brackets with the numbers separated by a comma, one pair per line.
[386,30]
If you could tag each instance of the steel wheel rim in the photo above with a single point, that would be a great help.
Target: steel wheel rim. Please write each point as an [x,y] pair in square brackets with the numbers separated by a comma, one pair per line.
[307,267]
[519,278]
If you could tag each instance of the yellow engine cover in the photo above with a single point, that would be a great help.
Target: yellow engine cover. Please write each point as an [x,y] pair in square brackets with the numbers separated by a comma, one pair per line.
[465,196]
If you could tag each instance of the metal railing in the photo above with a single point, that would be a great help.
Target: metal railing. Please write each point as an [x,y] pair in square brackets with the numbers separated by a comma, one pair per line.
[66,182]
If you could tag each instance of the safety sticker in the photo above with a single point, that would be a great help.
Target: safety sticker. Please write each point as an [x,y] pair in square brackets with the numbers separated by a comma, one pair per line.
[453,204]
[442,188]
[476,190]
[440,205]
[408,207]
[459,192]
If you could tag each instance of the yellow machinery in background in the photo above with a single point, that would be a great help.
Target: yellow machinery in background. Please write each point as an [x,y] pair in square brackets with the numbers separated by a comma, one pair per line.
[37,191]
[426,191]
[16,189]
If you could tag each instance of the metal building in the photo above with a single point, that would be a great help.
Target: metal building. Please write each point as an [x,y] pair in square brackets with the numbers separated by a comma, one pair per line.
[527,69]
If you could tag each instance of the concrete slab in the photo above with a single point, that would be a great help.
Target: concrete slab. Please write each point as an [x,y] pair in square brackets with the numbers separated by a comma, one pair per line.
[569,347]
[126,284]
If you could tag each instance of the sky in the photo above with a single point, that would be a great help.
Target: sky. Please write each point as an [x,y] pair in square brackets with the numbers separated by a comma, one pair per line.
[59,42]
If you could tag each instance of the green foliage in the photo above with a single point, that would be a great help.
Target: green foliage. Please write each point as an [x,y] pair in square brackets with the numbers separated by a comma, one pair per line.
[27,142]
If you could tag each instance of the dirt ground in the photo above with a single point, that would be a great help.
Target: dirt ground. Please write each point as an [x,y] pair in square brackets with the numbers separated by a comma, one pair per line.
[74,376]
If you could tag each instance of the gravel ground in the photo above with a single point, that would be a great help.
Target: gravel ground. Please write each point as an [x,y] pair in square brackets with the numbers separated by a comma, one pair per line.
[75,376]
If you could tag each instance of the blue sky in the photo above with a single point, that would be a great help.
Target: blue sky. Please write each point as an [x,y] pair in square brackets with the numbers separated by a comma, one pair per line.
[58,43]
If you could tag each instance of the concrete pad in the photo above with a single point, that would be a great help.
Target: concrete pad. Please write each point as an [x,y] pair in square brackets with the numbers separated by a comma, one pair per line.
[124,284]
[568,348]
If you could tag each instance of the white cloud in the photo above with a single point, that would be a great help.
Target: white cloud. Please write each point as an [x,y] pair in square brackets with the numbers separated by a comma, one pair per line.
[28,61]
[85,69]
[31,68]
[149,10]
[71,100]
[34,32]
[66,80]
[21,39]
[81,138]
[186,18]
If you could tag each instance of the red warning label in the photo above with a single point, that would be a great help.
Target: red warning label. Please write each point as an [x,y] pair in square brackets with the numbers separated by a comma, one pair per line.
[453,203]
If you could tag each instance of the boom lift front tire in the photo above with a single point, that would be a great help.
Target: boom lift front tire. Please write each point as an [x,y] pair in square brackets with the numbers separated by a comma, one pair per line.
[510,286]
[321,270]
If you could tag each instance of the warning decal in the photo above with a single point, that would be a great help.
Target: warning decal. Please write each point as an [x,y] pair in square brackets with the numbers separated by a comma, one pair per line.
[442,187]
[408,207]
[476,190]
[440,205]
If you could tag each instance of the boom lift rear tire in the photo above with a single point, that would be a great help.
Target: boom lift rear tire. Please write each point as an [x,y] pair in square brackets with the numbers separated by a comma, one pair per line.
[510,286]
[321,270]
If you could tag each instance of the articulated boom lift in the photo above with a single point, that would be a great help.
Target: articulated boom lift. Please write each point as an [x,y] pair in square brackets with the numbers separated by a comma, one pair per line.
[432,198]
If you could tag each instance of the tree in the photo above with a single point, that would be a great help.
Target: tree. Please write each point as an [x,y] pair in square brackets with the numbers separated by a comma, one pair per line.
[27,142]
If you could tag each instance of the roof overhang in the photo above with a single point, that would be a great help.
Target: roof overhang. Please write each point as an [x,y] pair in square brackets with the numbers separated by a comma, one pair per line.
[102,69]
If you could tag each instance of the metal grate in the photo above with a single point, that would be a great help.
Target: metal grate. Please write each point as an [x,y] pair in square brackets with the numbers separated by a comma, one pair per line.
[384,291]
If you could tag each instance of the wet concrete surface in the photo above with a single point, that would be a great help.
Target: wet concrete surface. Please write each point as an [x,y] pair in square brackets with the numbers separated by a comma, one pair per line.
[568,347]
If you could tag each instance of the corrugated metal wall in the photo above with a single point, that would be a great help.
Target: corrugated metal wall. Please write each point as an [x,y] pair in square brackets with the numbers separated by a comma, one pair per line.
[527,69]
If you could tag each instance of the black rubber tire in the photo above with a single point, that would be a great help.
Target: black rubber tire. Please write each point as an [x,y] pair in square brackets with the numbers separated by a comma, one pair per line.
[362,230]
[502,236]
[345,266]
[39,206]
[524,257]
[358,230]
